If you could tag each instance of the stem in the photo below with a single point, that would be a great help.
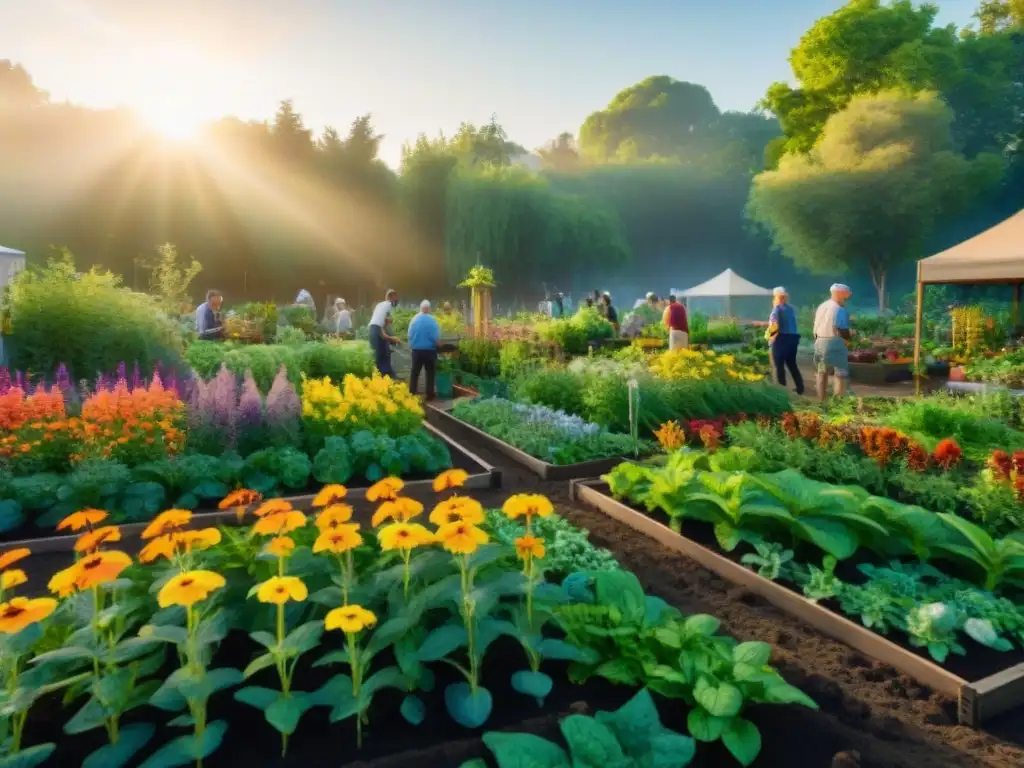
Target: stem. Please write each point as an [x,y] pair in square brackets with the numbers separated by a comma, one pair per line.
[467,618]
[529,591]
[357,675]
[96,604]
[406,554]
[350,573]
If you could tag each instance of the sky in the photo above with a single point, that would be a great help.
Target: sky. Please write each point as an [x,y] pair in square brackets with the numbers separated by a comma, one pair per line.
[419,66]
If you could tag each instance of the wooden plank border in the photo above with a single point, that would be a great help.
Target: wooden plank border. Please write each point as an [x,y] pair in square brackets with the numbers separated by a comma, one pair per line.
[978,701]
[539,467]
[484,477]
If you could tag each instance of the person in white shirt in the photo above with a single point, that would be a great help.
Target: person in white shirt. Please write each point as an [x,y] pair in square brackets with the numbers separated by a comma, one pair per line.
[831,337]
[380,332]
[342,318]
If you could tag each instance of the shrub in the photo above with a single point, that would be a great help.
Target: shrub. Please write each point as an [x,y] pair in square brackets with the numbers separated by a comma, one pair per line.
[315,359]
[572,334]
[557,388]
[88,321]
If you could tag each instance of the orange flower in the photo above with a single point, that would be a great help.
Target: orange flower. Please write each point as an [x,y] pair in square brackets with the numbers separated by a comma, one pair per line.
[21,612]
[12,578]
[99,568]
[85,518]
[241,498]
[401,509]
[528,505]
[449,479]
[333,516]
[11,556]
[202,539]
[273,507]
[162,546]
[458,508]
[62,583]
[330,494]
[529,547]
[339,539]
[282,546]
[168,520]
[385,490]
[91,540]
[279,524]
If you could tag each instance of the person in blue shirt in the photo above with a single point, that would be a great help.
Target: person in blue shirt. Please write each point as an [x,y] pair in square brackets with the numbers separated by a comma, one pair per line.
[208,324]
[424,336]
[784,339]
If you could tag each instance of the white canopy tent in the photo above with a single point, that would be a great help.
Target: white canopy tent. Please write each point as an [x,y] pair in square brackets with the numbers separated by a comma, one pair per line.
[10,252]
[725,285]
[11,263]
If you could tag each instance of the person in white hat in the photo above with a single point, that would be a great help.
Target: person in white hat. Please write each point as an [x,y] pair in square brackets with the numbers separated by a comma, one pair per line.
[342,318]
[784,339]
[831,337]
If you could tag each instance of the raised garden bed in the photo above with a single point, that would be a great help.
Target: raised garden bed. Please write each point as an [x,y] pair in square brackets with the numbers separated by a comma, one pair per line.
[539,467]
[979,699]
[482,476]
[880,373]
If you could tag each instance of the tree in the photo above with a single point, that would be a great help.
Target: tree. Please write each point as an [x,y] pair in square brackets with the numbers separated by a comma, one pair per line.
[997,15]
[292,140]
[871,192]
[17,91]
[561,153]
[170,277]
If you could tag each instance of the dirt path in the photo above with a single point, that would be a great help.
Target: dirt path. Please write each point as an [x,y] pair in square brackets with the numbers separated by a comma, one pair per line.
[867,707]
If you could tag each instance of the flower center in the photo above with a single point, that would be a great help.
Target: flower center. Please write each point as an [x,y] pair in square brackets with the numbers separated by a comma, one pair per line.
[187,582]
[11,611]
[91,563]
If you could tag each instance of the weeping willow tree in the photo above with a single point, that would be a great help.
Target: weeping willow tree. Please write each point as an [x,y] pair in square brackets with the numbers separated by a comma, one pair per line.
[511,219]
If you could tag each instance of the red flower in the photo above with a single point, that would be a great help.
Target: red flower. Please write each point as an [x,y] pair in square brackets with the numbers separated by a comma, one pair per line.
[947,453]
[1001,464]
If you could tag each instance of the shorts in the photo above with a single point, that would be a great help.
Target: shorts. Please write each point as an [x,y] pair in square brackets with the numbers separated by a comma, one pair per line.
[832,356]
[678,340]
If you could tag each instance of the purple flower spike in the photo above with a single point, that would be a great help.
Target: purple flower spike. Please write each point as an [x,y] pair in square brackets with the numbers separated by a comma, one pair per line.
[136,377]
[5,380]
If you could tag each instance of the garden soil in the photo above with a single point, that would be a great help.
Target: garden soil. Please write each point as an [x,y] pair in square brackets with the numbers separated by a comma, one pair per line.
[876,716]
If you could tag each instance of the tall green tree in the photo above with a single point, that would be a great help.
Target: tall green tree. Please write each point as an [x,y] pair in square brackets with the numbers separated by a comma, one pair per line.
[561,153]
[873,189]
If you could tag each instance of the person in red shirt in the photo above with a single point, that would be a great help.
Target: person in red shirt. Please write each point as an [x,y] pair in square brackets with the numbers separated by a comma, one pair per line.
[675,321]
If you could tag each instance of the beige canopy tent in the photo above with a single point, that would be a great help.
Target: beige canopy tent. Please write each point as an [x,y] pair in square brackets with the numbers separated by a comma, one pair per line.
[994,256]
[725,285]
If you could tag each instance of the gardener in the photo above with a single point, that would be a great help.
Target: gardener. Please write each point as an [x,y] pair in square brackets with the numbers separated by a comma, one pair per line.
[831,336]
[609,312]
[342,318]
[424,336]
[380,336]
[675,320]
[783,338]
[208,324]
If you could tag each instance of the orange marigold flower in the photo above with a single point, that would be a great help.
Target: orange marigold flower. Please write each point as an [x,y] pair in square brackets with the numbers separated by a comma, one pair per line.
[458,508]
[273,507]
[12,578]
[162,546]
[85,518]
[529,547]
[449,479]
[240,498]
[201,539]
[947,453]
[99,568]
[400,510]
[385,490]
[11,556]
[281,546]
[339,539]
[279,524]
[330,494]
[333,516]
[91,540]
[20,612]
[168,520]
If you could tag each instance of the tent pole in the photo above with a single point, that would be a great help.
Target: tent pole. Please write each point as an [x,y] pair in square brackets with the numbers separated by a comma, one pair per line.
[917,332]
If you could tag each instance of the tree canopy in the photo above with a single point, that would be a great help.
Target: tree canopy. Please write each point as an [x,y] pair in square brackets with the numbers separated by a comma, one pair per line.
[872,190]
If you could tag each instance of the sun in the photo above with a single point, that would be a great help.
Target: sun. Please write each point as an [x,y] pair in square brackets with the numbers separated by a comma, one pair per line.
[171,121]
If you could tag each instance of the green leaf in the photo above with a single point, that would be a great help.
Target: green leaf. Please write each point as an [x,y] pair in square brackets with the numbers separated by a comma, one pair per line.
[705,727]
[668,749]
[524,750]
[442,641]
[285,712]
[258,664]
[131,738]
[304,637]
[257,696]
[592,744]
[91,715]
[700,624]
[621,590]
[468,708]
[337,687]
[668,637]
[743,740]
[560,650]
[476,762]
[29,757]
[782,692]
[719,699]
[834,537]
[413,709]
[332,657]
[618,671]
[754,653]
[66,654]
[389,677]
[535,684]
[265,639]
[188,749]
[634,723]
[211,489]
[11,516]
[164,633]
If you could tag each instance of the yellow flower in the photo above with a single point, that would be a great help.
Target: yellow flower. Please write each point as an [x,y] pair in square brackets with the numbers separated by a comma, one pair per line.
[11,556]
[401,510]
[202,539]
[273,507]
[403,536]
[279,523]
[385,490]
[333,516]
[91,540]
[20,612]
[280,589]
[239,500]
[162,546]
[100,568]
[339,539]
[528,505]
[449,479]
[170,520]
[282,546]
[350,619]
[461,538]
[187,589]
[12,578]
[62,583]
[330,494]
[458,508]
[84,518]
[529,547]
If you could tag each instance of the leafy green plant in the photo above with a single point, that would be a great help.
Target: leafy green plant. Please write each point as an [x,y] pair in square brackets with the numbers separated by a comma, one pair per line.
[631,737]
[1001,560]
[771,560]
